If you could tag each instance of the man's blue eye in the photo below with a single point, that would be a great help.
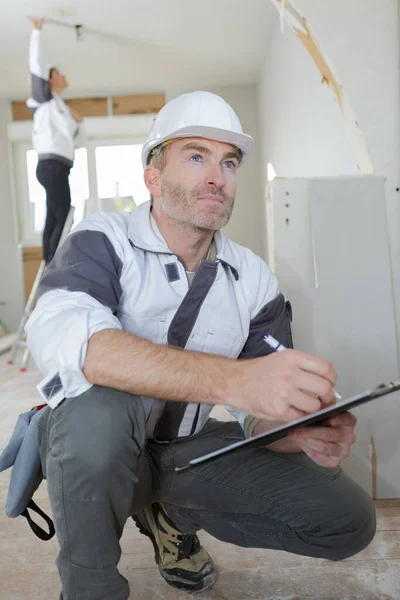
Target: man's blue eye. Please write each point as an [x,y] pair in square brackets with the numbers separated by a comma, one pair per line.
[195,158]
[230,164]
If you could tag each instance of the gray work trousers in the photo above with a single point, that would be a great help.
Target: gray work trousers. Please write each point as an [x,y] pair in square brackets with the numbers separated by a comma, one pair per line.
[100,470]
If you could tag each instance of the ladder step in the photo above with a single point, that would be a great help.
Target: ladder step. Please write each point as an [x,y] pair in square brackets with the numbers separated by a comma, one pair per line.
[18,340]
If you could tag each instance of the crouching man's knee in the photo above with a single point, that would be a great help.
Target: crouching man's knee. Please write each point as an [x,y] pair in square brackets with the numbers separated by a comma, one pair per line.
[102,431]
[354,533]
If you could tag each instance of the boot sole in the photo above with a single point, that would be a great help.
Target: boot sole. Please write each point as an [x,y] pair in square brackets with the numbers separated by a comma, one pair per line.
[207,581]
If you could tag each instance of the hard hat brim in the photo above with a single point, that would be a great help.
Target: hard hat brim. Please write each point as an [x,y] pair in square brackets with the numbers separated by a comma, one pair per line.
[241,140]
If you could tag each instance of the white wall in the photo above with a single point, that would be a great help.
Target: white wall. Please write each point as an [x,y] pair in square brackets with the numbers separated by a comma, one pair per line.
[246,225]
[11,286]
[302,132]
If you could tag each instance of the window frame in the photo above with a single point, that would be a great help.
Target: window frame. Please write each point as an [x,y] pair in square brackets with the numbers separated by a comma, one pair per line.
[101,131]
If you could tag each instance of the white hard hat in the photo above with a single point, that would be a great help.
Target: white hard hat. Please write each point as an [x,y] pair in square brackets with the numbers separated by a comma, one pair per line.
[197,114]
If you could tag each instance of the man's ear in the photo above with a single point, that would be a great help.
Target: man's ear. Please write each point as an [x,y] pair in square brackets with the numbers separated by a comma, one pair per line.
[152,180]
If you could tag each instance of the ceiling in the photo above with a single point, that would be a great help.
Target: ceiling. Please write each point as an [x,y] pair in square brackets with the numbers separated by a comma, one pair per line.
[152,45]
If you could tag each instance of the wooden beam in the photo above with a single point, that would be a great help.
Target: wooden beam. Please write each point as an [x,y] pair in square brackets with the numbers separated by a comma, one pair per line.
[133,104]
[138,104]
[387,502]
[20,111]
[89,107]
[302,29]
[31,257]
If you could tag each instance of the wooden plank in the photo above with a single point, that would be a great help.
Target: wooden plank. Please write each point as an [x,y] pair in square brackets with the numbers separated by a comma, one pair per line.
[386,502]
[244,574]
[31,253]
[388,518]
[331,581]
[138,104]
[20,111]
[87,107]
[97,106]
[31,258]
[384,546]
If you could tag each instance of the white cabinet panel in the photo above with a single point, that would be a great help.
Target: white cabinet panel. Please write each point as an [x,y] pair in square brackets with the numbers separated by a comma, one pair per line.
[329,249]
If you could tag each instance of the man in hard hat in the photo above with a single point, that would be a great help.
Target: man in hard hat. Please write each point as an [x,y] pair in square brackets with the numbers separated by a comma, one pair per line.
[57,132]
[147,320]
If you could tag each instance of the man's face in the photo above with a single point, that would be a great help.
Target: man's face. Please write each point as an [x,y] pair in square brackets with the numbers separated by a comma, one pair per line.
[198,182]
[58,80]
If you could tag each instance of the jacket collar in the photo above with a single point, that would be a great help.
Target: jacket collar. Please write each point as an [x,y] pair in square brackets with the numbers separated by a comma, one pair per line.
[144,234]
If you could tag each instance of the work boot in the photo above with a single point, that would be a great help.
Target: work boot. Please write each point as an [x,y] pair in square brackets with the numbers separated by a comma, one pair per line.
[181,559]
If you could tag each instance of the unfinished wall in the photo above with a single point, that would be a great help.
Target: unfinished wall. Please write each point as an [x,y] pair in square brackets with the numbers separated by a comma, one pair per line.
[302,131]
[246,226]
[11,290]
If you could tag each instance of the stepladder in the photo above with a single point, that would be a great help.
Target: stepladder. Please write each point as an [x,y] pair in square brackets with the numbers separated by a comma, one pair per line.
[20,343]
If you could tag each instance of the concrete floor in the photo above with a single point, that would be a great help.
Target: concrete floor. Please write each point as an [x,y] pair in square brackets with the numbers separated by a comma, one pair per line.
[28,572]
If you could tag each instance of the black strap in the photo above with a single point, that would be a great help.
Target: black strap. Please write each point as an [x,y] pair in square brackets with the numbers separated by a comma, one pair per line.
[37,530]
[167,426]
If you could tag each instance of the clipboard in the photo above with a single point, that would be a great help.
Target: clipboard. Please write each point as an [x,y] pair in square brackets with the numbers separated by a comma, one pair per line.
[280,432]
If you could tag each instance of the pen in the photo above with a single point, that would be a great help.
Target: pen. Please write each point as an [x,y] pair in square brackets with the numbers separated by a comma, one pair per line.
[278,347]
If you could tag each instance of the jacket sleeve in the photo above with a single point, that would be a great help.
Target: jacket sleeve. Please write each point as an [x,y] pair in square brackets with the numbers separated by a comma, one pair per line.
[79,295]
[38,72]
[271,314]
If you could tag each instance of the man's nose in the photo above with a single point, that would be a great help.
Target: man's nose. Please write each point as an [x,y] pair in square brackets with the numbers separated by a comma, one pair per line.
[215,175]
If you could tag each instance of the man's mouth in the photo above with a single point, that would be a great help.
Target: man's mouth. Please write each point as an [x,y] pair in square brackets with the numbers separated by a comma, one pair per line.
[210,198]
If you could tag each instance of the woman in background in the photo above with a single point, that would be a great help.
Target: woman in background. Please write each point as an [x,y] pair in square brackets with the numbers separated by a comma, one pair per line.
[57,133]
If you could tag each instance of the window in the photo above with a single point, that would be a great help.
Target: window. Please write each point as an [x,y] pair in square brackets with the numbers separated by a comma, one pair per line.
[119,174]
[37,195]
[79,184]
[107,173]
